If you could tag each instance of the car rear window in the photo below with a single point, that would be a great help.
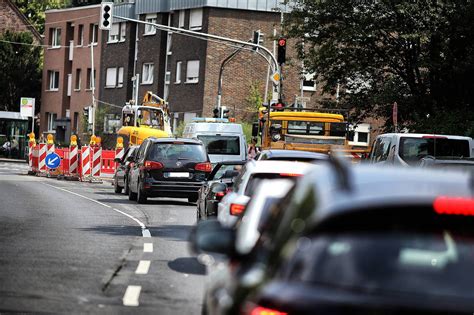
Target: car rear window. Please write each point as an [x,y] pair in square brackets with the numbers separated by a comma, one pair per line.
[434,258]
[225,145]
[177,151]
[413,149]
[256,178]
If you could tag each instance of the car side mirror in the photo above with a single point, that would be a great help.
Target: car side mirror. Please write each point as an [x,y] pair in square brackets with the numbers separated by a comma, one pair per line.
[210,236]
[218,187]
[117,160]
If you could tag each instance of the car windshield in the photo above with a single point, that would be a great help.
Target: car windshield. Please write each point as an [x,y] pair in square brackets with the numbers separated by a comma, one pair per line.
[436,263]
[226,145]
[413,149]
[150,117]
[177,151]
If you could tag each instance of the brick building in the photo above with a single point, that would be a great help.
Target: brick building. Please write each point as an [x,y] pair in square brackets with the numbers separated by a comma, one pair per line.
[12,19]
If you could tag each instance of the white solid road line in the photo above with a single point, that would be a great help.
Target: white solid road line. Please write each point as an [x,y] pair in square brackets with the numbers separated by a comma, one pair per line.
[131,296]
[143,267]
[148,247]
[145,231]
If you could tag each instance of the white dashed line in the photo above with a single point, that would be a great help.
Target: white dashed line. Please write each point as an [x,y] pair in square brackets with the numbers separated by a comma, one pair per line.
[148,247]
[143,267]
[131,296]
[146,233]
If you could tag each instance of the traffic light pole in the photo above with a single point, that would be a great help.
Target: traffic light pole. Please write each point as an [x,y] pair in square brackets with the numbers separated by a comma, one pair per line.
[93,88]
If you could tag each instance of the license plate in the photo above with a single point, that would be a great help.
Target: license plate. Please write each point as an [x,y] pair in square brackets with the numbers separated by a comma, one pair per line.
[178,174]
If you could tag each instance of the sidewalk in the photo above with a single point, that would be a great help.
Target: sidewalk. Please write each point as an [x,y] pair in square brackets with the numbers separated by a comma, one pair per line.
[2,159]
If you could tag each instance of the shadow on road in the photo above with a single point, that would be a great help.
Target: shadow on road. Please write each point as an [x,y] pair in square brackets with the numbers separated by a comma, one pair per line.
[188,265]
[119,230]
[168,202]
[178,233]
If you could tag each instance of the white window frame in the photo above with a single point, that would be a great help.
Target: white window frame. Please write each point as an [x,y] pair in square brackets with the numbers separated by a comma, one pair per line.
[192,72]
[53,83]
[181,18]
[69,84]
[110,77]
[50,121]
[195,19]
[120,77]
[150,29]
[179,67]
[147,73]
[123,31]
[56,37]
[114,33]
[308,77]
[91,77]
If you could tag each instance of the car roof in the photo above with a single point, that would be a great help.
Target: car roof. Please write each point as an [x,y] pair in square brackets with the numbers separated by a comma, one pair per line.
[274,167]
[231,162]
[370,187]
[294,154]
[420,135]
[184,140]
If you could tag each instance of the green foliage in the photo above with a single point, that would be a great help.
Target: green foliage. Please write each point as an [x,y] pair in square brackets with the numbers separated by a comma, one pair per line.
[253,101]
[20,68]
[180,129]
[419,54]
[34,10]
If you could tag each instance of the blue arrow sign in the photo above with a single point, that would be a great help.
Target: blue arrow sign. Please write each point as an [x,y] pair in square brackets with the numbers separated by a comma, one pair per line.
[52,160]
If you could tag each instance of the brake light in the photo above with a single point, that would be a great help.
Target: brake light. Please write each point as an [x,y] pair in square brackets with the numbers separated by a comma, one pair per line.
[289,174]
[220,194]
[454,205]
[205,167]
[434,137]
[259,310]
[236,209]
[152,165]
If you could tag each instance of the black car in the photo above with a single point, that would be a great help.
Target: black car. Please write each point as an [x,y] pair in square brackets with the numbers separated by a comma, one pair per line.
[215,187]
[123,168]
[168,167]
[355,241]
[291,155]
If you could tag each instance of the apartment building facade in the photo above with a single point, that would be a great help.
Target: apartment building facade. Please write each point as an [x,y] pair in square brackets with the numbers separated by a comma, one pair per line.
[133,58]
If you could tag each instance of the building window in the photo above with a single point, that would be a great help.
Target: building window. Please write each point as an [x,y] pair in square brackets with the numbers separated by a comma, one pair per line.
[55,37]
[192,71]
[195,19]
[53,80]
[76,122]
[111,77]
[90,78]
[178,72]
[77,87]
[309,84]
[169,44]
[120,77]
[147,73]
[50,118]
[150,29]
[80,35]
[168,77]
[181,19]
[93,33]
[114,33]
[123,29]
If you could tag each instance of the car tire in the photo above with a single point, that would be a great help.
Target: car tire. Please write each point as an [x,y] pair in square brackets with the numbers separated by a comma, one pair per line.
[117,188]
[141,195]
[193,199]
[126,188]
[131,195]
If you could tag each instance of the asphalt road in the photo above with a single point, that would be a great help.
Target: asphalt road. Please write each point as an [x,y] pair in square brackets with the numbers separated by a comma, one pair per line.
[72,247]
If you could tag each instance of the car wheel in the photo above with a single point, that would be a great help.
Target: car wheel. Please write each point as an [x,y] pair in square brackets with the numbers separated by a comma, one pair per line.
[117,188]
[131,195]
[141,195]
[192,199]
[126,188]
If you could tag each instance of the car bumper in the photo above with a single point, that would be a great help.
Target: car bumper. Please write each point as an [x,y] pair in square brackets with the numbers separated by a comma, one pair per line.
[172,189]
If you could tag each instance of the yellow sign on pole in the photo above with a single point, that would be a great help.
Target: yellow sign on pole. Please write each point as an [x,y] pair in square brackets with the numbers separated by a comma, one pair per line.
[276,77]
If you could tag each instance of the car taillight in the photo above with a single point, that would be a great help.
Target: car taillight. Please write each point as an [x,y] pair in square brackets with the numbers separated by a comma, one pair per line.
[236,209]
[434,137]
[260,310]
[205,167]
[289,174]
[454,205]
[152,165]
[220,195]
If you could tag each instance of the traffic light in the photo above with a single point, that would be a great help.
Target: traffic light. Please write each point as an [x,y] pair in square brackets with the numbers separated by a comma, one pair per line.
[281,50]
[225,112]
[257,39]
[106,9]
[215,111]
[85,111]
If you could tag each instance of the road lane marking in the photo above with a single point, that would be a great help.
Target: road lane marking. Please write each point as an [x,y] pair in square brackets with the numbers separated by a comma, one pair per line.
[131,296]
[143,267]
[148,247]
[145,231]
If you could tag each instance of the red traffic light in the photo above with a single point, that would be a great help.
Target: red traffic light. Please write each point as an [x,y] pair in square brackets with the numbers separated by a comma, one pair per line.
[282,42]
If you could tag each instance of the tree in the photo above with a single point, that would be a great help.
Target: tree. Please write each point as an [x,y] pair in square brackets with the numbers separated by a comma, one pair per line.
[20,66]
[419,54]
[34,10]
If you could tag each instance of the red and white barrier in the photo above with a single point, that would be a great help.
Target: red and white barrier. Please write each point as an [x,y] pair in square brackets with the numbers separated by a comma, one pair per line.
[30,155]
[73,160]
[42,157]
[119,152]
[85,161]
[96,161]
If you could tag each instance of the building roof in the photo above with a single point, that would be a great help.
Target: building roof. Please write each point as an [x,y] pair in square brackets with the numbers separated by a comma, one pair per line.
[26,22]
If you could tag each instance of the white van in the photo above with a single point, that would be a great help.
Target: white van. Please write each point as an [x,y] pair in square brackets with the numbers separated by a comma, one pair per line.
[408,148]
[224,141]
